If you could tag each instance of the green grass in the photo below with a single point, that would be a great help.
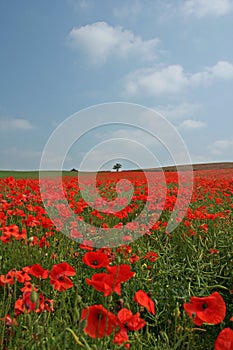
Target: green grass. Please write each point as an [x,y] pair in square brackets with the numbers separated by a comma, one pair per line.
[32,174]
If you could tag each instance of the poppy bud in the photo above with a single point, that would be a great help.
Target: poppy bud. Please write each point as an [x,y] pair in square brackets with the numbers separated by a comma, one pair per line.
[34,297]
[119,305]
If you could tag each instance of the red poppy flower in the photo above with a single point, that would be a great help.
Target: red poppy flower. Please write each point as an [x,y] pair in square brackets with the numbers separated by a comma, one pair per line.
[11,230]
[144,300]
[224,340]
[9,278]
[28,287]
[9,321]
[121,337]
[129,321]
[96,259]
[111,281]
[31,301]
[24,304]
[211,309]
[22,276]
[38,271]
[151,256]
[121,272]
[104,283]
[58,276]
[44,304]
[134,258]
[99,321]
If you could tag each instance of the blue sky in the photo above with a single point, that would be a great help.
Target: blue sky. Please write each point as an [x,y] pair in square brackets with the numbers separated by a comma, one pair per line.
[58,57]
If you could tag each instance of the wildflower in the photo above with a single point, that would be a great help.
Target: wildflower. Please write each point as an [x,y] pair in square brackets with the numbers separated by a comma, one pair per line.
[144,300]
[28,287]
[99,321]
[224,340]
[38,271]
[58,276]
[96,260]
[134,258]
[9,278]
[127,321]
[211,309]
[151,256]
[9,321]
[22,276]
[121,272]
[111,281]
[121,337]
[213,251]
[24,304]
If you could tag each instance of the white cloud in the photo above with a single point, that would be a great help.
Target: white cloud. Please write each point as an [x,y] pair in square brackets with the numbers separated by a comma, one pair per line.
[221,70]
[173,79]
[192,124]
[156,81]
[180,111]
[100,41]
[206,8]
[15,124]
[222,147]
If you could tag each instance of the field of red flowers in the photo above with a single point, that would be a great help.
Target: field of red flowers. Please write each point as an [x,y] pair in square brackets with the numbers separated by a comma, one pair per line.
[163,290]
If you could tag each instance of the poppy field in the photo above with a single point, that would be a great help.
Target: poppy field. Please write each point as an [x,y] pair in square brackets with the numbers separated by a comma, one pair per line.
[161,290]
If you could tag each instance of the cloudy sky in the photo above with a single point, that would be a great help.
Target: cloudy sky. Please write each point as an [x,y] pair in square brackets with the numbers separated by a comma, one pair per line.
[59,57]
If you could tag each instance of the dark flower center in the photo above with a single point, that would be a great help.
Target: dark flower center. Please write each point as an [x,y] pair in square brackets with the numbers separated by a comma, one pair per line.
[204,306]
[95,262]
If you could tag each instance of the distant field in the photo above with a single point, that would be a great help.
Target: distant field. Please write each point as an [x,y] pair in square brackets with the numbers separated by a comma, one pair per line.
[31,174]
[35,174]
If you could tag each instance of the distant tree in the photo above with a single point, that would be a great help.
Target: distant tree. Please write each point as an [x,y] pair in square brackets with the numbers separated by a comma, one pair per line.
[117,166]
[73,169]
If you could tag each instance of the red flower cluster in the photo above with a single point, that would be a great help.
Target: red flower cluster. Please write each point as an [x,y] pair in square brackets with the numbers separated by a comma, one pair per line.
[100,322]
[31,301]
[127,321]
[12,231]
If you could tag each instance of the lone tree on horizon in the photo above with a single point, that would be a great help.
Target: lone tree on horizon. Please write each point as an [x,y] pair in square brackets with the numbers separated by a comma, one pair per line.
[117,166]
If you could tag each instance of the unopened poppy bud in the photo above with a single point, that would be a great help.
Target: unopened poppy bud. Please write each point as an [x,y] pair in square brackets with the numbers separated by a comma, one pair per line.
[34,297]
[119,305]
